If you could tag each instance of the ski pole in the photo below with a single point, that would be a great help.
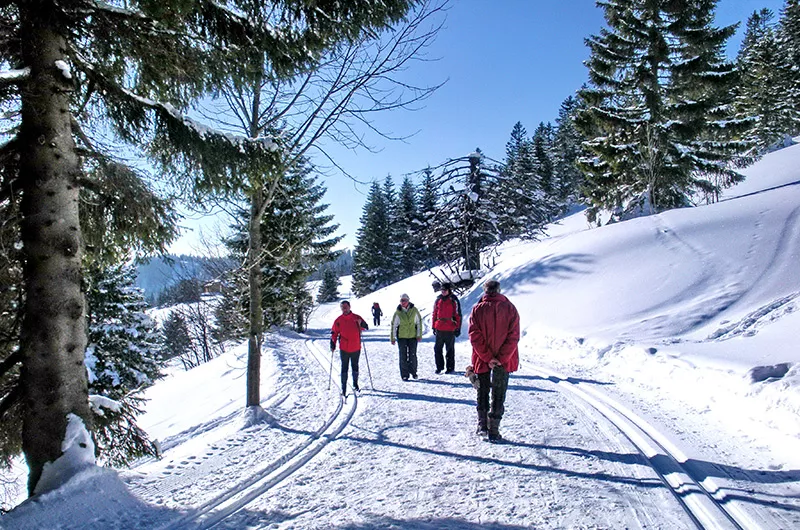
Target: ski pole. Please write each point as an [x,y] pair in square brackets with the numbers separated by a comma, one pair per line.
[366,357]
[330,375]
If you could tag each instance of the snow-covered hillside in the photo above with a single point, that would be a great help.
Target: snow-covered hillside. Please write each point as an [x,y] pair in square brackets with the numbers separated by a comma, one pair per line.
[659,388]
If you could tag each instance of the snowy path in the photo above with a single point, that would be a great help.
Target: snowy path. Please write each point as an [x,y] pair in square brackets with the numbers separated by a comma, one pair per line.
[405,455]
[410,455]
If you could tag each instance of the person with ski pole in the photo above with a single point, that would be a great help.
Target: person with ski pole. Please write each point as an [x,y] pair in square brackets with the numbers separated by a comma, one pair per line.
[407,330]
[446,326]
[494,335]
[347,330]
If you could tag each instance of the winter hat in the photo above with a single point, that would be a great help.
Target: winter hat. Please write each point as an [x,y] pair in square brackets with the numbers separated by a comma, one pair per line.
[491,287]
[404,297]
[343,302]
[448,286]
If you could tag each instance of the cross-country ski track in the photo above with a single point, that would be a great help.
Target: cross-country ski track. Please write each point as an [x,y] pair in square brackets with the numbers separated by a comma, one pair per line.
[591,462]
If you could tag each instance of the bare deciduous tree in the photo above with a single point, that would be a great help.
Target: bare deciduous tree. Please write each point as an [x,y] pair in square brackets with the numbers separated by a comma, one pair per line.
[335,98]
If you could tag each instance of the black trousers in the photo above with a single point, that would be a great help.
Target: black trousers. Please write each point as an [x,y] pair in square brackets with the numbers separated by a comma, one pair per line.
[494,382]
[445,340]
[350,358]
[408,357]
[376,320]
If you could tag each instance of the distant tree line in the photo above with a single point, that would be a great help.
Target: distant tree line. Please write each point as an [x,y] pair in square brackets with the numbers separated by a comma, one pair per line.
[467,205]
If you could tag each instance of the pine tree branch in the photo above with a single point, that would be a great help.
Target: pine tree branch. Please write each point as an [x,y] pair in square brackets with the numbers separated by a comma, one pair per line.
[10,361]
[14,77]
[10,399]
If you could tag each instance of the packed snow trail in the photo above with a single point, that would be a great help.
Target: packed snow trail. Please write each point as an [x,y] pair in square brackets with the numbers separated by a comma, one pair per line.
[410,458]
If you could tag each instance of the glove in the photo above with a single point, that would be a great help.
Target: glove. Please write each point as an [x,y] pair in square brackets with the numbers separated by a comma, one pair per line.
[392,343]
[435,331]
[457,332]
[333,345]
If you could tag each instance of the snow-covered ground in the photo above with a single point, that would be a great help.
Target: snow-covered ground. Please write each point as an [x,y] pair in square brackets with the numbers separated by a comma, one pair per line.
[660,380]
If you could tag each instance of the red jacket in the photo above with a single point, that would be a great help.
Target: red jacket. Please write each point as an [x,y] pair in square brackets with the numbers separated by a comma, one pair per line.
[347,329]
[446,313]
[494,333]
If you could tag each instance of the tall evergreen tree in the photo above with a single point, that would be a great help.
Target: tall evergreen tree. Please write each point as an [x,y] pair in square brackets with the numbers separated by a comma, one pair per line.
[566,152]
[122,357]
[542,152]
[428,201]
[176,339]
[788,39]
[393,232]
[408,222]
[761,92]
[520,189]
[329,289]
[372,268]
[657,115]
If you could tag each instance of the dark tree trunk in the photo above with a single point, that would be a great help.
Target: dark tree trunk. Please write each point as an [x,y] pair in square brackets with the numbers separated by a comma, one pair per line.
[256,312]
[53,335]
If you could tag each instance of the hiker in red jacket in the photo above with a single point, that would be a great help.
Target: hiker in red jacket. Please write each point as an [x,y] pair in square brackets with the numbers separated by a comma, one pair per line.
[347,330]
[494,334]
[446,326]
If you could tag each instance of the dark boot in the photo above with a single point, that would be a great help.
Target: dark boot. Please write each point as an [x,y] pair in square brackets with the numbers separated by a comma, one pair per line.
[494,430]
[483,419]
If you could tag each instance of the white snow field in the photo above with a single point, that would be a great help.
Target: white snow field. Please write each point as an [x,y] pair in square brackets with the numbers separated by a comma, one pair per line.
[659,388]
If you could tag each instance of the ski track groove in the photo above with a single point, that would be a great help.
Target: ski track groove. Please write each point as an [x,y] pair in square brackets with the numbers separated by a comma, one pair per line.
[243,494]
[704,501]
[233,499]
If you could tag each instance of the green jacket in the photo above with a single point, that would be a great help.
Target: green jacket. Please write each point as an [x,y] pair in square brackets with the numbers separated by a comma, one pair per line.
[406,324]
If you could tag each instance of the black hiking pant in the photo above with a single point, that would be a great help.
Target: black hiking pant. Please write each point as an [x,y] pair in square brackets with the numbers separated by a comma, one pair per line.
[376,320]
[350,358]
[445,340]
[492,393]
[408,357]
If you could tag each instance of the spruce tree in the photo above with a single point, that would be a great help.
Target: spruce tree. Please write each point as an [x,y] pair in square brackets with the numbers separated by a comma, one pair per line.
[428,205]
[230,322]
[176,339]
[408,222]
[788,39]
[393,232]
[372,266]
[329,289]
[123,357]
[542,152]
[520,191]
[566,152]
[658,112]
[761,93]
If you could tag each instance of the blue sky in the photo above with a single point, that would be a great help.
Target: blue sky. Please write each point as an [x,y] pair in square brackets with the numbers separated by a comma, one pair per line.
[504,61]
